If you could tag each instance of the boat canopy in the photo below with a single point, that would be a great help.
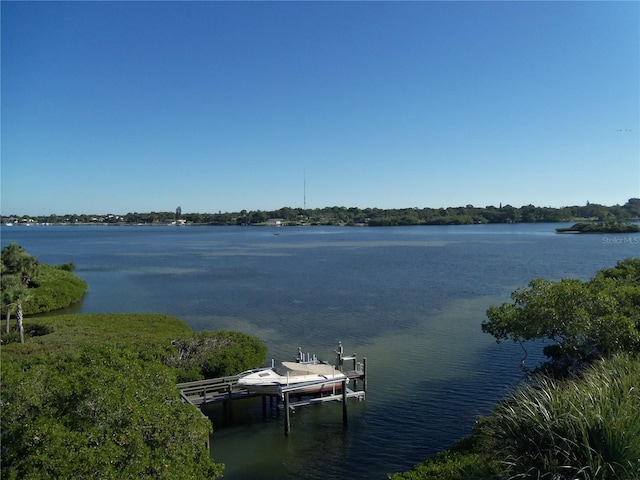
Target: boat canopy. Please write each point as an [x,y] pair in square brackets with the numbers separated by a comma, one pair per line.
[296,369]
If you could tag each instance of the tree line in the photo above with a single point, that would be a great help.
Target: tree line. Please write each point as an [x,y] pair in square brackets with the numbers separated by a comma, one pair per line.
[463,215]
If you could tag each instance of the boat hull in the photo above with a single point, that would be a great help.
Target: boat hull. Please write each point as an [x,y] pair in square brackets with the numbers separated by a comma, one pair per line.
[275,389]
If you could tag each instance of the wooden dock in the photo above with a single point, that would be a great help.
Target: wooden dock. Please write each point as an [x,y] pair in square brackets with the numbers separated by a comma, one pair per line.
[213,390]
[226,390]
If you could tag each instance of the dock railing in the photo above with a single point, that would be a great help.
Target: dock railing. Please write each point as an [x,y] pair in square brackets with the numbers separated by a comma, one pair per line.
[213,389]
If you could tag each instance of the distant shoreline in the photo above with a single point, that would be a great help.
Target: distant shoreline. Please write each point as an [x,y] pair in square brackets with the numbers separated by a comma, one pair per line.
[352,216]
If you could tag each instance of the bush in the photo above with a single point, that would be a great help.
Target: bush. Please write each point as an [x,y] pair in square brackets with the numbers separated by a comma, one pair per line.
[68,267]
[90,398]
[100,412]
[452,466]
[57,288]
[216,354]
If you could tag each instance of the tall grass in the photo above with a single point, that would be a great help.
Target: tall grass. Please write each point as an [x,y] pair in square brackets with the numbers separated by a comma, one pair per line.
[586,429]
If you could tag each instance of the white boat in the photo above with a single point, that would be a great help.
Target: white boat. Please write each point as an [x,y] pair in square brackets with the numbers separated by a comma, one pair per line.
[302,377]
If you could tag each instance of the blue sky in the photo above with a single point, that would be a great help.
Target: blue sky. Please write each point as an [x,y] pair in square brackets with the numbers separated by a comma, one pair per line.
[116,107]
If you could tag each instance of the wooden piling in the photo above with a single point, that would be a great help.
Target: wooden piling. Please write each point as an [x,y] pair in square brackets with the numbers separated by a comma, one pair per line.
[344,401]
[287,417]
[230,400]
[364,374]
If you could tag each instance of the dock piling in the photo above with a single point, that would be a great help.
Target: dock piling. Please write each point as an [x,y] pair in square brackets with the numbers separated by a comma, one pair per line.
[344,402]
[287,414]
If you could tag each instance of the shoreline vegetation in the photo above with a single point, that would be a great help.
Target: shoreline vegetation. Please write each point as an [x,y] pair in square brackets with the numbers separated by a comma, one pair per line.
[600,227]
[95,396]
[77,389]
[578,415]
[353,216]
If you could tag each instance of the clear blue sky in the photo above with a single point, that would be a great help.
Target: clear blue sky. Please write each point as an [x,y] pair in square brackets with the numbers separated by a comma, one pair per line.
[116,107]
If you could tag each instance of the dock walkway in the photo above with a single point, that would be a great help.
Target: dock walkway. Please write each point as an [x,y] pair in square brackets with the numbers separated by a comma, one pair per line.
[213,390]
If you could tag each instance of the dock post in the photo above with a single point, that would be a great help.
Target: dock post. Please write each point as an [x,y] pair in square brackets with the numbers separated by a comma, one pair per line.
[364,374]
[264,405]
[287,418]
[230,400]
[344,401]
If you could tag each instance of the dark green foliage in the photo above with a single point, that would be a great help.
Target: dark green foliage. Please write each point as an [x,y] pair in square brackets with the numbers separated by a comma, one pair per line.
[599,227]
[57,288]
[453,466]
[69,267]
[92,399]
[216,354]
[37,287]
[585,320]
[100,413]
[16,261]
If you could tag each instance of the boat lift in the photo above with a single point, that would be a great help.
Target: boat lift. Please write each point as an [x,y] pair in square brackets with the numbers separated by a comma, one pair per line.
[227,390]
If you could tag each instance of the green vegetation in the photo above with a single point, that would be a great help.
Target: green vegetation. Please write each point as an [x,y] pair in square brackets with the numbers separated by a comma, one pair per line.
[92,396]
[452,465]
[579,416]
[29,287]
[600,227]
[57,287]
[468,214]
[216,354]
[584,320]
[587,429]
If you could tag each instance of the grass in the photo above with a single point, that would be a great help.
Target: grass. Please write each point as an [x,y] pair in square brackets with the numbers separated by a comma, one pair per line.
[585,429]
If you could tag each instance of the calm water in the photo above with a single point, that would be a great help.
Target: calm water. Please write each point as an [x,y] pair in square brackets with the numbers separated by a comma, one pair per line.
[411,300]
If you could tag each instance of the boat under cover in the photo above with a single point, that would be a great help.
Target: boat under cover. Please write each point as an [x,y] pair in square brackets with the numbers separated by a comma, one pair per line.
[270,380]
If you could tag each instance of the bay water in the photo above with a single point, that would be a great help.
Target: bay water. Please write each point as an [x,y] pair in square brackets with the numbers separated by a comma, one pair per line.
[409,299]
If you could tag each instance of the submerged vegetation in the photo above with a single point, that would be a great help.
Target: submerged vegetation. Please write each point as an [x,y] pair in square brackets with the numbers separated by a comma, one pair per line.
[577,417]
